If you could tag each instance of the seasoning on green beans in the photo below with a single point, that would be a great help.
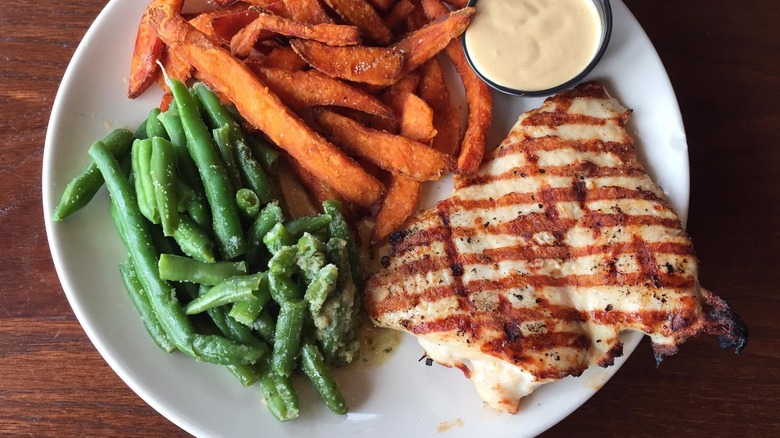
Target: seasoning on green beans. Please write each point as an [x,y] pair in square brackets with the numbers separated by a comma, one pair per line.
[178,268]
[214,268]
[81,189]
[227,223]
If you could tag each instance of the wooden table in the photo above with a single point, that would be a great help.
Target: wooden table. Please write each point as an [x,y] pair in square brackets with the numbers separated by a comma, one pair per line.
[724,62]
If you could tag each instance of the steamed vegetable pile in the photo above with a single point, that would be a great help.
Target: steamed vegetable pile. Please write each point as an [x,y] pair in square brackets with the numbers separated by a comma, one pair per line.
[214,267]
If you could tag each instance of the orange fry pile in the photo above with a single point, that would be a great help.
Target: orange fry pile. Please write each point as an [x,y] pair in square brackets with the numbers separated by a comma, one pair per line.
[351,90]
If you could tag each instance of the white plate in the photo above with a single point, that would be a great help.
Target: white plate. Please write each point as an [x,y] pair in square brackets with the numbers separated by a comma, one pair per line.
[402,398]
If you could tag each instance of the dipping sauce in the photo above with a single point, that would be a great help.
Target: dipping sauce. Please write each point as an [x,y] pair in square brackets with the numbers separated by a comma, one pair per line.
[533,45]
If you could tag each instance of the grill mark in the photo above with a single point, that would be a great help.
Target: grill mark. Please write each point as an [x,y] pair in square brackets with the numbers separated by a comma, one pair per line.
[585,169]
[624,150]
[650,321]
[452,256]
[559,194]
[581,193]
[558,118]
[514,280]
[534,223]
[525,349]
[647,262]
[520,252]
[405,302]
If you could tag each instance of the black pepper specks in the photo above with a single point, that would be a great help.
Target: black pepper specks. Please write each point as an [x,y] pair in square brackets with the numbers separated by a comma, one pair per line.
[384,261]
[397,236]
[457,269]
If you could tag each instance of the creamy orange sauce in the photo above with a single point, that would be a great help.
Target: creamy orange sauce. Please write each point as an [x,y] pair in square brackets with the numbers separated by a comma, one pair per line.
[533,45]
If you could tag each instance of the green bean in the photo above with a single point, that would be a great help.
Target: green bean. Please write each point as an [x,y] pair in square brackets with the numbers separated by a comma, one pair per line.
[177,268]
[317,371]
[280,396]
[184,164]
[320,288]
[141,155]
[340,229]
[337,321]
[265,326]
[310,256]
[185,195]
[307,224]
[247,375]
[140,131]
[283,261]
[282,288]
[233,111]
[198,210]
[141,302]
[251,171]
[287,339]
[81,189]
[265,153]
[161,243]
[223,351]
[248,203]
[225,147]
[170,314]
[246,312]
[153,126]
[278,238]
[269,216]
[226,221]
[116,217]
[228,291]
[193,240]
[163,175]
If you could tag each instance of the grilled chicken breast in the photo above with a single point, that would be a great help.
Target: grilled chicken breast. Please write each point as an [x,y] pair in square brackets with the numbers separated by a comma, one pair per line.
[534,265]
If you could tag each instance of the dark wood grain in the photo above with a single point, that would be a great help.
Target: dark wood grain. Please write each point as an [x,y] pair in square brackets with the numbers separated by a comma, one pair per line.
[723,59]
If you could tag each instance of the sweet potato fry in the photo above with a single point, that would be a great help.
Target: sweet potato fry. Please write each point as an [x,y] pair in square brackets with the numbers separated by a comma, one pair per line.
[446,116]
[165,101]
[391,152]
[305,89]
[403,196]
[264,110]
[398,14]
[370,65]
[284,58]
[330,34]
[414,118]
[394,97]
[478,98]
[403,193]
[147,51]
[307,11]
[416,18]
[360,13]
[382,5]
[228,25]
[417,120]
[202,21]
[318,192]
[424,43]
